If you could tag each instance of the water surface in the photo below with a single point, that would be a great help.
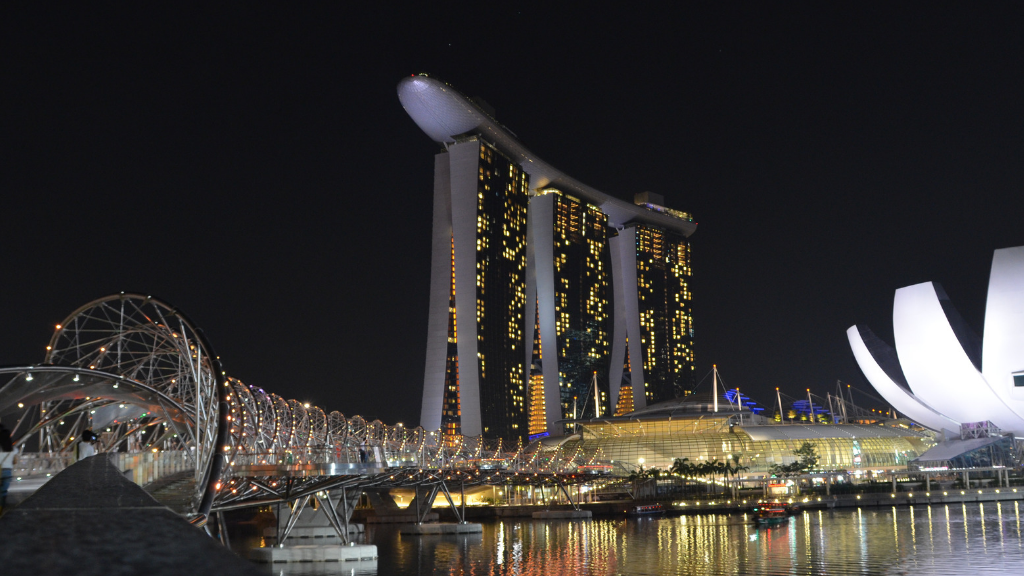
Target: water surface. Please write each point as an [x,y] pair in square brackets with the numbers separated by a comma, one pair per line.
[954,539]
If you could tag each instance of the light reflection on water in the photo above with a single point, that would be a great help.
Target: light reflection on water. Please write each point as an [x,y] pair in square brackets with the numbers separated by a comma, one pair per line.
[952,539]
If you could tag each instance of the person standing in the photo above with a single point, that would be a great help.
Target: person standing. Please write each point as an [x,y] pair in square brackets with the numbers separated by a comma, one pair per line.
[86,446]
[8,458]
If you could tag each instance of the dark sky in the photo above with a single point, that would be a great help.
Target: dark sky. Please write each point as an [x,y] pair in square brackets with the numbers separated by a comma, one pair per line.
[255,168]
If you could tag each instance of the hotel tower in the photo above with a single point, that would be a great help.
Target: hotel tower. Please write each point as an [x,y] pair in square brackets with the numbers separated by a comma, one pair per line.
[549,300]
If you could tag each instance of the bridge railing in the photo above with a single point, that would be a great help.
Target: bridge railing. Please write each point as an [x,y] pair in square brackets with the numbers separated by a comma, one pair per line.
[148,467]
[312,455]
[40,464]
[141,467]
[378,456]
[433,458]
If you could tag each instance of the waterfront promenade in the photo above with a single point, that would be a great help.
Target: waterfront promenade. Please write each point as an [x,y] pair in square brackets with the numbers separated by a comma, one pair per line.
[727,505]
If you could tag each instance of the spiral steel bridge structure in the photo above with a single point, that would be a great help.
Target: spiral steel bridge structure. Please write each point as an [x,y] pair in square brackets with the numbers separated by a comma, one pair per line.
[140,374]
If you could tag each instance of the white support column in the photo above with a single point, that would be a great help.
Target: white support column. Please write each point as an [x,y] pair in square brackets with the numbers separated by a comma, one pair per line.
[618,328]
[530,310]
[627,309]
[464,162]
[440,286]
[542,240]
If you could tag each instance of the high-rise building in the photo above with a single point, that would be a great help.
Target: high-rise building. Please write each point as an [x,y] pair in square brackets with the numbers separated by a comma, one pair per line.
[568,276]
[477,298]
[653,296]
[543,289]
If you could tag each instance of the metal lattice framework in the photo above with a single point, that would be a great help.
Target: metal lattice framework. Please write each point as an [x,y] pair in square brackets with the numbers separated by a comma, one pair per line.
[135,370]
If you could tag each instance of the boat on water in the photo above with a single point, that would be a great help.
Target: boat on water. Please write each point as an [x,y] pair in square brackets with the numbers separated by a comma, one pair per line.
[646,510]
[772,512]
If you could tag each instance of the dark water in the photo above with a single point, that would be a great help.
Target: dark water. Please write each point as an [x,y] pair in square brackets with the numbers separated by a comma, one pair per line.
[956,539]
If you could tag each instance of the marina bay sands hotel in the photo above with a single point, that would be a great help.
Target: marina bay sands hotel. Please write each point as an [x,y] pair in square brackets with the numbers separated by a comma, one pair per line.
[549,300]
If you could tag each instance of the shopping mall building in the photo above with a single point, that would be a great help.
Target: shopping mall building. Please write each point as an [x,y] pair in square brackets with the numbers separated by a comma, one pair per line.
[688,428]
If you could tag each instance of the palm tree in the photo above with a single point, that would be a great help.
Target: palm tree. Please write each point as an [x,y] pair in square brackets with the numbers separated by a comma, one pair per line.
[682,467]
[721,468]
[734,468]
[637,474]
[705,469]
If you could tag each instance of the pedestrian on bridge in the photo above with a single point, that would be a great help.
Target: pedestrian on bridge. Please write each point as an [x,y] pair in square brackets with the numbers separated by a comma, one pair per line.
[86,446]
[8,458]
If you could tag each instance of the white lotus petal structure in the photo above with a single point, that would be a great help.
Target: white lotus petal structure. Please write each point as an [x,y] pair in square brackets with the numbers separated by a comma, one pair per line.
[940,374]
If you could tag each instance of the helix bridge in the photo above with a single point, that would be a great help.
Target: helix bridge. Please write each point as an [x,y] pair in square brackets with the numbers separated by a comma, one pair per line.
[137,372]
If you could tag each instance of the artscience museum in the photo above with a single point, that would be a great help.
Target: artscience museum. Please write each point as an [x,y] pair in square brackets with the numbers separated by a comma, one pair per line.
[940,373]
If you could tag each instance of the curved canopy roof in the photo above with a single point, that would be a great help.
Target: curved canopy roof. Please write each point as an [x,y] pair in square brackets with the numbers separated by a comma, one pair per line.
[820,431]
[444,114]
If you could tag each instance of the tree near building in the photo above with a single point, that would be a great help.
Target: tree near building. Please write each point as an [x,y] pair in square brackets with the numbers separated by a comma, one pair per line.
[808,460]
[808,456]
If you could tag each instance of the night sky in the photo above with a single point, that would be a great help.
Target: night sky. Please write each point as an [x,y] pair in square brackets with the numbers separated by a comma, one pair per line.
[255,169]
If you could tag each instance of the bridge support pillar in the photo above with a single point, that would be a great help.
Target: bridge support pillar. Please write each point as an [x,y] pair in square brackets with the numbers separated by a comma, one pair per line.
[423,502]
[347,500]
[222,531]
[382,501]
[386,510]
[314,543]
[575,505]
[295,509]
[340,524]
[302,519]
[451,502]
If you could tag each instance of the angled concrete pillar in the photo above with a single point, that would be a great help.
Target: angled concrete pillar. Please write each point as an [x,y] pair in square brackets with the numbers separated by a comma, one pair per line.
[626,318]
[440,294]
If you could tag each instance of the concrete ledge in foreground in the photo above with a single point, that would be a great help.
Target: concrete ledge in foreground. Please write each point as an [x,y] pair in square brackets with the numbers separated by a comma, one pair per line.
[90,519]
